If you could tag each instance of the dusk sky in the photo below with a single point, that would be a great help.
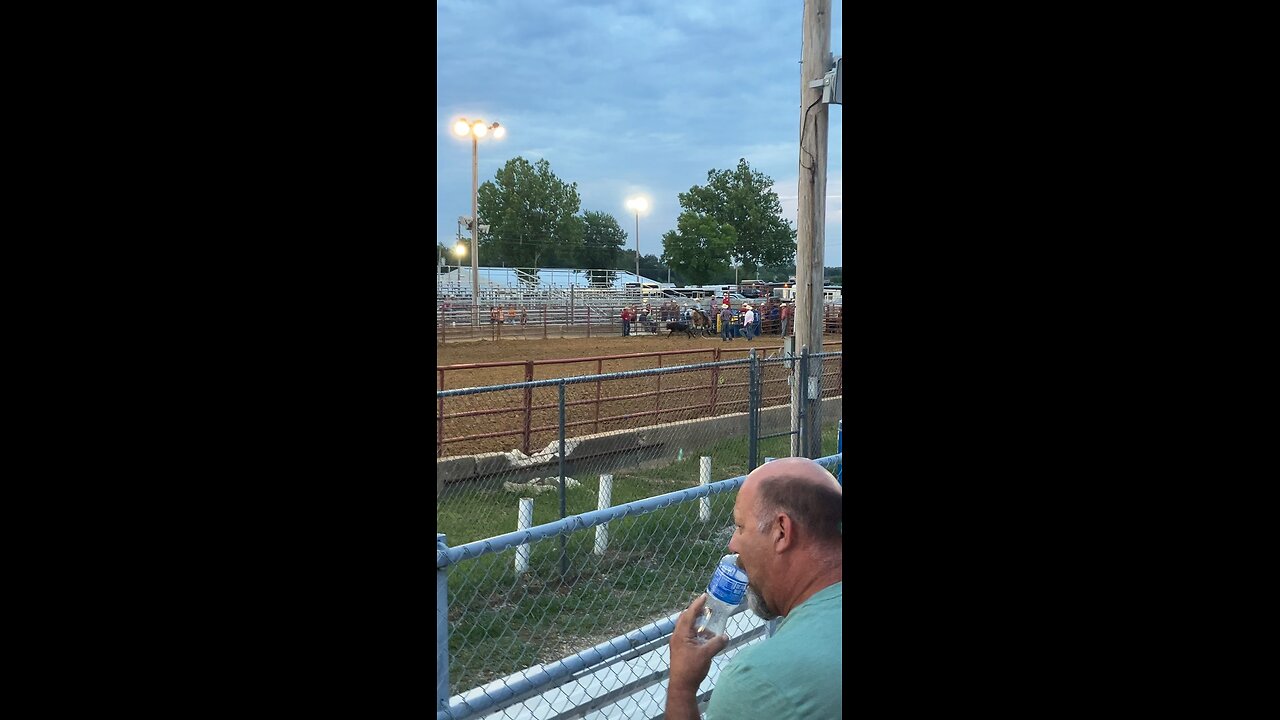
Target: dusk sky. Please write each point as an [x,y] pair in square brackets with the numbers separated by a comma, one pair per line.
[628,98]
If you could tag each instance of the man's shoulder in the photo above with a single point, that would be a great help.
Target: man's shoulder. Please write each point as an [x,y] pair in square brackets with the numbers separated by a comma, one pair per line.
[748,669]
[767,679]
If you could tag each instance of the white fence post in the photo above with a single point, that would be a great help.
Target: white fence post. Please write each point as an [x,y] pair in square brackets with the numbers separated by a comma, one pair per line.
[523,522]
[602,530]
[704,477]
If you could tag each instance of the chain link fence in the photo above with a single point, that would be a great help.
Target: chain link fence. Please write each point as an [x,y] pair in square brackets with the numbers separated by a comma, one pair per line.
[557,598]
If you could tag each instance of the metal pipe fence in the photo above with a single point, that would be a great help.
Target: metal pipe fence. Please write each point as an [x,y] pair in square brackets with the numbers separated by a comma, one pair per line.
[575,627]
[541,319]
[583,665]
[500,419]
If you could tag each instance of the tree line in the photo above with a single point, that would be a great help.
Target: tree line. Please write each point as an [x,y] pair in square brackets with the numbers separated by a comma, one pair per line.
[536,220]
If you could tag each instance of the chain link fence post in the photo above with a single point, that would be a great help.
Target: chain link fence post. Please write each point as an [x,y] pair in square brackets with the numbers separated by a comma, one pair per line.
[815,406]
[840,451]
[802,397]
[442,628]
[753,413]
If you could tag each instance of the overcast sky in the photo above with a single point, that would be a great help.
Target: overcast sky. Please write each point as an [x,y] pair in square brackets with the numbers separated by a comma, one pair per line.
[628,98]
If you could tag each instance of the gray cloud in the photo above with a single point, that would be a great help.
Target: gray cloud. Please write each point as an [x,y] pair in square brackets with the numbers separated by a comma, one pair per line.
[622,95]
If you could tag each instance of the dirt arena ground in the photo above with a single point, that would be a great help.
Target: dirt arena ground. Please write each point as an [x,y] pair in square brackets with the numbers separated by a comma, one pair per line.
[673,395]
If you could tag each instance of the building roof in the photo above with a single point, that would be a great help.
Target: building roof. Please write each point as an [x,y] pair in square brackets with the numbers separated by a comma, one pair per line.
[545,277]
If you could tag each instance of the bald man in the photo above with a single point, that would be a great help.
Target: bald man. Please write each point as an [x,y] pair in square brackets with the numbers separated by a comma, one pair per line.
[788,534]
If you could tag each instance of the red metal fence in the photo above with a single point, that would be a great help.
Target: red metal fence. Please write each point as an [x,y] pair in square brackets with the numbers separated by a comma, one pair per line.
[727,394]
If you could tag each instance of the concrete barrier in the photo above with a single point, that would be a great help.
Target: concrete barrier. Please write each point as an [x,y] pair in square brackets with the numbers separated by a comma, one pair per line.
[454,469]
[629,449]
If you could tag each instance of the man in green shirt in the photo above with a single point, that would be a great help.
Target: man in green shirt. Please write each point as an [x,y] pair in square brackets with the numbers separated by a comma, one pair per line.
[788,535]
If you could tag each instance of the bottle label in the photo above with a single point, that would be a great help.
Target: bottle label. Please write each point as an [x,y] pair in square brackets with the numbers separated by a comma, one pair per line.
[726,586]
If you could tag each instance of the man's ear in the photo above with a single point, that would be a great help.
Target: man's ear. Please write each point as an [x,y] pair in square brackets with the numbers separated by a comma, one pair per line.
[784,532]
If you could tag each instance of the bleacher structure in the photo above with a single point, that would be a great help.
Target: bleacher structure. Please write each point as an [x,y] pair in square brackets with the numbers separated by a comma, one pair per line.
[565,292]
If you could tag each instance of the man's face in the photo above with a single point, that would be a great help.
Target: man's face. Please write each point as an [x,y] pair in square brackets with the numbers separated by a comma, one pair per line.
[756,602]
[753,549]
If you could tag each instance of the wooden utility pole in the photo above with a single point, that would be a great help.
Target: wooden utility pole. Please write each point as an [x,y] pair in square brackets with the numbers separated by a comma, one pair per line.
[811,200]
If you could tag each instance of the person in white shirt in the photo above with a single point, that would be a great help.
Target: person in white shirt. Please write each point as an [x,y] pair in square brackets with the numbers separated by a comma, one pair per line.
[748,321]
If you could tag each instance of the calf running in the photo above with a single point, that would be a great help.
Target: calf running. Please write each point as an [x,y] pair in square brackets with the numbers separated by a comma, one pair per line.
[675,327]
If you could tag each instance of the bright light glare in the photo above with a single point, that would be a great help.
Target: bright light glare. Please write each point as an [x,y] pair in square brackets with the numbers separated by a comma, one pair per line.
[459,249]
[638,204]
[464,127]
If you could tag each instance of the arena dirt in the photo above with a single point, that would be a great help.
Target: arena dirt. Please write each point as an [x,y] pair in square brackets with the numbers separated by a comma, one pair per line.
[683,395]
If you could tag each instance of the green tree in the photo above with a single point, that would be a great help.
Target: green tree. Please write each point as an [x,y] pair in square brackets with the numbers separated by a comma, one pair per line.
[699,248]
[651,267]
[602,241]
[741,200]
[778,273]
[532,216]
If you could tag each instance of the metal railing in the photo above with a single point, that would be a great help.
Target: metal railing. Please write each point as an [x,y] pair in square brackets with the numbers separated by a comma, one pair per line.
[559,317]
[518,612]
[605,673]
[492,421]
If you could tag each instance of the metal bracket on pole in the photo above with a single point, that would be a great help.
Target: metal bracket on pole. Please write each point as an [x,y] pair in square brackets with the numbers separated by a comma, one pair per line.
[831,83]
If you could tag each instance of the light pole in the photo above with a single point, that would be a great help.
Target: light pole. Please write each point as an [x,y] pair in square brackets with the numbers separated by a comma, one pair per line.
[638,204]
[476,129]
[459,250]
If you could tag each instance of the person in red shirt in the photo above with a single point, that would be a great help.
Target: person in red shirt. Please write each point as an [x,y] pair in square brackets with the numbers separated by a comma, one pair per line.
[626,322]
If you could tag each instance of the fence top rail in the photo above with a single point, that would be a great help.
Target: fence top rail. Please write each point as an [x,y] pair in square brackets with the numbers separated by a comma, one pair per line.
[449,556]
[624,374]
[626,355]
[480,700]
[554,361]
[446,556]
[512,363]
[474,366]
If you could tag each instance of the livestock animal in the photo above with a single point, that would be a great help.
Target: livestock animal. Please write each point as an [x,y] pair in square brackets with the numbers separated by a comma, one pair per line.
[701,323]
[675,327]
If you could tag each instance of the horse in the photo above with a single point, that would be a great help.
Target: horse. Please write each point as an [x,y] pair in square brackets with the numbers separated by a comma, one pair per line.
[700,321]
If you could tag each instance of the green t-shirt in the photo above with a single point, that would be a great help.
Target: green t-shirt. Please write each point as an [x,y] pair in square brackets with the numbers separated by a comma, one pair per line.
[794,674]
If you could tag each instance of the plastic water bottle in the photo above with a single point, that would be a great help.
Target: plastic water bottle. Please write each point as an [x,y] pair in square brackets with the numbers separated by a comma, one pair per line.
[724,593]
